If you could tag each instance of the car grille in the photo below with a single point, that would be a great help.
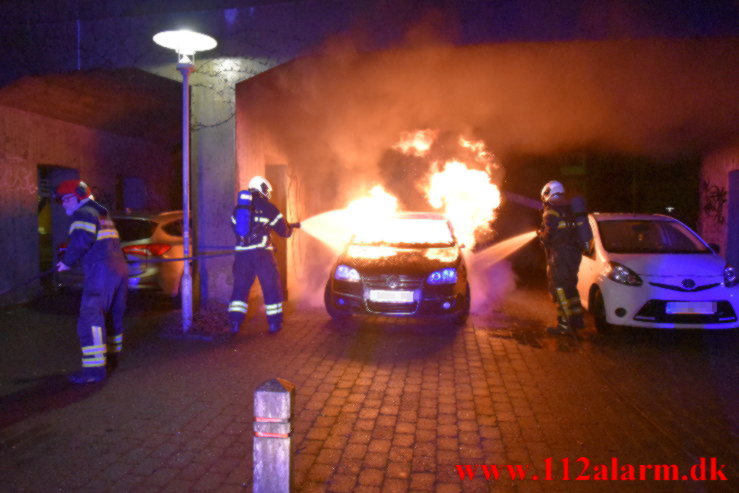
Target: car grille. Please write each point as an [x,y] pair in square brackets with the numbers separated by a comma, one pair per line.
[396,308]
[654,311]
[392,282]
[685,290]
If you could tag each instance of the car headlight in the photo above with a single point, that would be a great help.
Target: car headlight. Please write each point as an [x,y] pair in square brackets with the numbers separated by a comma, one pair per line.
[443,276]
[346,273]
[730,276]
[623,275]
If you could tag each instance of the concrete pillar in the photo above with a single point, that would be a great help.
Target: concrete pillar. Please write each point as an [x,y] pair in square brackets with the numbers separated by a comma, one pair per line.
[273,411]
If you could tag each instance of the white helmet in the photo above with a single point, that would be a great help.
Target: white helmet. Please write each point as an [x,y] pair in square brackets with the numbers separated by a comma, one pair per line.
[551,189]
[261,185]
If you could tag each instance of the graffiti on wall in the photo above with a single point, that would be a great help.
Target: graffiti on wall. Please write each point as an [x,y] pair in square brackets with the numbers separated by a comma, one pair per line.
[714,198]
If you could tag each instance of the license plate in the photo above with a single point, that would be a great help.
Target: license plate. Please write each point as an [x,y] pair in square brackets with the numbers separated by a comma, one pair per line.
[387,296]
[690,308]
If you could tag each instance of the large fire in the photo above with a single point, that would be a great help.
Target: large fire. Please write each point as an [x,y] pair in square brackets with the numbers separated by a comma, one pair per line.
[467,197]
[463,194]
[416,143]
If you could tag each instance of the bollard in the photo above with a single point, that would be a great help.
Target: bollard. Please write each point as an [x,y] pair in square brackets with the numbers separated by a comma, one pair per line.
[273,412]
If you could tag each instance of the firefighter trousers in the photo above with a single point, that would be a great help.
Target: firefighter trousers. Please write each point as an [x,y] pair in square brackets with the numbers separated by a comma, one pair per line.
[248,265]
[562,267]
[103,299]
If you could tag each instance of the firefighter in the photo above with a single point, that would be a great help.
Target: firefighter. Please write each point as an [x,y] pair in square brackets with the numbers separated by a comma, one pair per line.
[253,219]
[562,233]
[93,241]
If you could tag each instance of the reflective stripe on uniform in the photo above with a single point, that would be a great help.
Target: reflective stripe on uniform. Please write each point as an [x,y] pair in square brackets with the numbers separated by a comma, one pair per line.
[274,221]
[238,306]
[260,219]
[252,247]
[273,309]
[563,302]
[91,350]
[562,225]
[115,343]
[105,234]
[93,362]
[84,226]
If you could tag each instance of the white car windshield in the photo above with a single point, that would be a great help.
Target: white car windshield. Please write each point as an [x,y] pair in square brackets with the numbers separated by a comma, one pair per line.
[406,232]
[645,236]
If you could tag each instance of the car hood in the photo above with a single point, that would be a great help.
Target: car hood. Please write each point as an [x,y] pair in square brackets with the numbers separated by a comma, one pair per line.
[408,261]
[665,265]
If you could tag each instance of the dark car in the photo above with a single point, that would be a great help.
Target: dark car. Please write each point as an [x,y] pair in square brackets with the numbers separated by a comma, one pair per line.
[144,236]
[408,266]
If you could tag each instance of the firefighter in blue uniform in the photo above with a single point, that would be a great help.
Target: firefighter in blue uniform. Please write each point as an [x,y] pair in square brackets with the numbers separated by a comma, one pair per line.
[564,233]
[93,241]
[253,219]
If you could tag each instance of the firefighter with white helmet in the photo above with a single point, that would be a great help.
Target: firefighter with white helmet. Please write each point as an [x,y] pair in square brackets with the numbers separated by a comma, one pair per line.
[254,218]
[93,242]
[563,232]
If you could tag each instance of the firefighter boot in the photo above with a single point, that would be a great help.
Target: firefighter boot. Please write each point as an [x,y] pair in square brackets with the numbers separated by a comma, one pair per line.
[88,375]
[562,327]
[274,327]
[234,329]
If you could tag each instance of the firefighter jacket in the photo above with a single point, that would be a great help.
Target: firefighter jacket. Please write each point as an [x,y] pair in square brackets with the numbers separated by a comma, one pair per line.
[265,218]
[93,239]
[558,229]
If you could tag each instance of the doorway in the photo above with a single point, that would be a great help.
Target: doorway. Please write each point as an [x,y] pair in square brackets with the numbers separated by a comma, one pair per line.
[52,220]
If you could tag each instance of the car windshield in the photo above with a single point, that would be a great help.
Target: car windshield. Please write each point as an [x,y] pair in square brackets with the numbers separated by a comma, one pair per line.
[133,229]
[406,233]
[648,236]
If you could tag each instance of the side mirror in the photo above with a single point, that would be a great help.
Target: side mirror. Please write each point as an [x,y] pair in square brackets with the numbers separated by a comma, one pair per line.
[715,247]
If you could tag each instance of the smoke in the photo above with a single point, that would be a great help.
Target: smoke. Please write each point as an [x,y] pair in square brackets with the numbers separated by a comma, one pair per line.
[336,116]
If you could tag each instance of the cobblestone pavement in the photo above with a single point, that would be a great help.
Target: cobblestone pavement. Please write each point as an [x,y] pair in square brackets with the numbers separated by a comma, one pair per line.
[379,407]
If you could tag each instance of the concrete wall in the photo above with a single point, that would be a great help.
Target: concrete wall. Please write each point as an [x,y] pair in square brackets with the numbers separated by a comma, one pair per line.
[716,214]
[28,140]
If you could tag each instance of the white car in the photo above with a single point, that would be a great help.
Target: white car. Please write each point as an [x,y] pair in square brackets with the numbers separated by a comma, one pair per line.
[650,270]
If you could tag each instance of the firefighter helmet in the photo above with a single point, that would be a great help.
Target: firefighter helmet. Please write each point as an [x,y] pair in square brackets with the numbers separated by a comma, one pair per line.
[551,189]
[77,188]
[261,185]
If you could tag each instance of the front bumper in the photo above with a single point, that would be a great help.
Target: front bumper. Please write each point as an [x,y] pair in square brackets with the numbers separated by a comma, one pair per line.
[438,300]
[646,305]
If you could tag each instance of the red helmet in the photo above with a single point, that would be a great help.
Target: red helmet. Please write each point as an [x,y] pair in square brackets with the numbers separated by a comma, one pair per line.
[72,187]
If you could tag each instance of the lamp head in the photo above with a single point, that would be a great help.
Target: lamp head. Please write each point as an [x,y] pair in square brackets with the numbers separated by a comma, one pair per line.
[186,43]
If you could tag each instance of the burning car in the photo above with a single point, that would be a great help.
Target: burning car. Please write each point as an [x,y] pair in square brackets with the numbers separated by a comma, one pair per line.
[649,270]
[408,265]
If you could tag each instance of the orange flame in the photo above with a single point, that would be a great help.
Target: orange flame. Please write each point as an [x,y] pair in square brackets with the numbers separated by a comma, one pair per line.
[467,196]
[416,143]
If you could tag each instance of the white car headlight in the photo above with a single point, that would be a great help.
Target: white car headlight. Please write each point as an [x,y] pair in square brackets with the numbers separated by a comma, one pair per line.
[730,277]
[443,276]
[623,275]
[346,273]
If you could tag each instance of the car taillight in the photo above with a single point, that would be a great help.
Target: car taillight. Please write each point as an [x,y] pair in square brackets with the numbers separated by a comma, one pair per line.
[155,249]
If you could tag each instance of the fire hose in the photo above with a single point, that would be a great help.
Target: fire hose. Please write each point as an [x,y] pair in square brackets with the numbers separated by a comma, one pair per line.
[221,253]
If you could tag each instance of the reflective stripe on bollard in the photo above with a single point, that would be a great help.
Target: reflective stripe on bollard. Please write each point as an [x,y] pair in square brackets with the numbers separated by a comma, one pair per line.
[273,411]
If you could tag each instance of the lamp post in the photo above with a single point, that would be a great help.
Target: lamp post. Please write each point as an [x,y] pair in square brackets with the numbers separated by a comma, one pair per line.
[186,44]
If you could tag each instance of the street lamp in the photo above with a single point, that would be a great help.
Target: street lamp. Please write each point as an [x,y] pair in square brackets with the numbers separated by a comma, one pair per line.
[186,44]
